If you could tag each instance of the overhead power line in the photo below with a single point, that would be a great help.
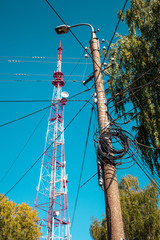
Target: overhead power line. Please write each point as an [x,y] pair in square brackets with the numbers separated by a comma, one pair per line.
[38,81]
[36,74]
[84,155]
[72,33]
[105,55]
[28,115]
[21,151]
[75,67]
[20,179]
[39,57]
[139,88]
[88,179]
[86,90]
[37,101]
[30,61]
[139,162]
[30,101]
[143,145]
[130,84]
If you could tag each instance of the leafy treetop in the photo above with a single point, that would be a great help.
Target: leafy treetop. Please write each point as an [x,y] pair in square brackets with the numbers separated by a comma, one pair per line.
[136,78]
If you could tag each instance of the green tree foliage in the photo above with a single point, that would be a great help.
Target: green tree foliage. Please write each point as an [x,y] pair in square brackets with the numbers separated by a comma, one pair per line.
[18,222]
[140,212]
[136,77]
[98,229]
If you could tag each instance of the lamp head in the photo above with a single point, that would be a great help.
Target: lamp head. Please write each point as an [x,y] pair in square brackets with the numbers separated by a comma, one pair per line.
[62,29]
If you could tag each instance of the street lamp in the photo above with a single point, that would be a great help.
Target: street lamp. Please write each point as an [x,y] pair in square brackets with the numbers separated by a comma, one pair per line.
[112,201]
[62,29]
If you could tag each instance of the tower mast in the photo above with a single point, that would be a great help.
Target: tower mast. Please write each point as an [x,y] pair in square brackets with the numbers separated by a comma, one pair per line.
[51,199]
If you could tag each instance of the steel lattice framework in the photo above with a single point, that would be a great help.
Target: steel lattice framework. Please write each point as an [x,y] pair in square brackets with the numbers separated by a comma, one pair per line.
[51,200]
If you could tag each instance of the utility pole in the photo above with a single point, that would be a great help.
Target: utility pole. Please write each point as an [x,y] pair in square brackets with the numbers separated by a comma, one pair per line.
[112,200]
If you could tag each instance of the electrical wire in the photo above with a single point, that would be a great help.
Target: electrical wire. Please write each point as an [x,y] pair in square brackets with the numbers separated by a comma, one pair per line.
[124,114]
[125,89]
[22,149]
[143,145]
[86,90]
[89,179]
[138,161]
[20,179]
[31,80]
[137,90]
[84,155]
[23,61]
[106,150]
[36,74]
[31,101]
[39,57]
[105,55]
[84,71]
[75,67]
[147,172]
[72,33]
[132,118]
[143,164]
[149,175]
[28,115]
[27,80]
[133,93]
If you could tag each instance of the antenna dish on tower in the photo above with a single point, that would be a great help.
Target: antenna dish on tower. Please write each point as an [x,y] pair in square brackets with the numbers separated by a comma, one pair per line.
[65,94]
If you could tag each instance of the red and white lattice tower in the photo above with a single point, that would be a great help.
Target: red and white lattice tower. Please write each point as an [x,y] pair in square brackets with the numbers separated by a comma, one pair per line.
[51,200]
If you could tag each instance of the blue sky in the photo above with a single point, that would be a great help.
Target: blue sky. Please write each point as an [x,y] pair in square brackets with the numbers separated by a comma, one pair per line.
[27,29]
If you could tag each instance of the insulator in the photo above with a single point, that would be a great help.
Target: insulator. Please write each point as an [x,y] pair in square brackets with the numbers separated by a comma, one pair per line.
[112,59]
[100,173]
[95,100]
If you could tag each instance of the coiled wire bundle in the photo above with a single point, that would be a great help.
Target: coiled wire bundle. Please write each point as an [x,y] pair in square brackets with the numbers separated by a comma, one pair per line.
[114,145]
[105,145]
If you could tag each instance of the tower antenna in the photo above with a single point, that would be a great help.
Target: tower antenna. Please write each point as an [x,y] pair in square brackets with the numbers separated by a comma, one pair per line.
[51,199]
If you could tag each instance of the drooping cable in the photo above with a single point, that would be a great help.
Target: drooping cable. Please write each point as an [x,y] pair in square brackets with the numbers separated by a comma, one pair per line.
[105,55]
[69,99]
[138,89]
[129,85]
[88,179]
[136,160]
[72,33]
[36,80]
[86,90]
[143,145]
[84,155]
[40,75]
[22,149]
[37,101]
[38,57]
[139,157]
[28,115]
[75,67]
[31,61]
[20,179]
[106,150]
